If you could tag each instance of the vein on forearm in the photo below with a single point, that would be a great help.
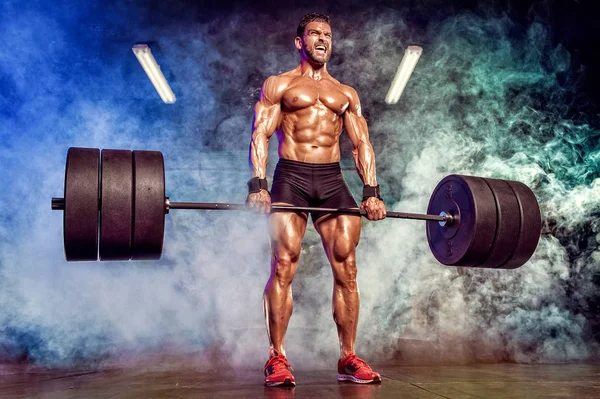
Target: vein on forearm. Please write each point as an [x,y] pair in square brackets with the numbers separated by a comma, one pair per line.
[259,151]
[364,158]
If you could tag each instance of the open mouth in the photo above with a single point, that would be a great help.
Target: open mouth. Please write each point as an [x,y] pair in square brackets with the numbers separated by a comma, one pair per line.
[321,49]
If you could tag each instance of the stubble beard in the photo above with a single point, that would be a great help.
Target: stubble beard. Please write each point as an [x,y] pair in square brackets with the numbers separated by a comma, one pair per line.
[310,53]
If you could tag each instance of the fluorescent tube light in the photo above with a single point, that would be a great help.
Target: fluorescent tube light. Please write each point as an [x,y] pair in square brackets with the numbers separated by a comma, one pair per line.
[406,68]
[152,69]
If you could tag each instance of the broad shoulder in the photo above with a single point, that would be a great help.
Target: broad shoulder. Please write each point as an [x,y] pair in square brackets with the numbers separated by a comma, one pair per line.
[274,87]
[349,92]
[353,100]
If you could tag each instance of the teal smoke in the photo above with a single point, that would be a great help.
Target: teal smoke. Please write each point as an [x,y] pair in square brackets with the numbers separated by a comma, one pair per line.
[495,99]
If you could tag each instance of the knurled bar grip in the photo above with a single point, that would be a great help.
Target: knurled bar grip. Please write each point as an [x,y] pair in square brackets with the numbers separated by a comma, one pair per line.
[285,208]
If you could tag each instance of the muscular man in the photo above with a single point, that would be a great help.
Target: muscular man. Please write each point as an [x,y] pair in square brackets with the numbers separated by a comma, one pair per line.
[308,109]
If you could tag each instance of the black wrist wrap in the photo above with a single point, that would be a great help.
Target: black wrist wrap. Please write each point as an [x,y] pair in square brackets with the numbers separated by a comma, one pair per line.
[255,185]
[370,191]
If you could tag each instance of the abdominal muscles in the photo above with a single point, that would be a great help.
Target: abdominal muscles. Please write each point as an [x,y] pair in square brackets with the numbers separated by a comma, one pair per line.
[310,135]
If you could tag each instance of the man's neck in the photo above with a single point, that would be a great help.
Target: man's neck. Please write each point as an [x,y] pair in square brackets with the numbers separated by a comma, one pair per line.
[312,70]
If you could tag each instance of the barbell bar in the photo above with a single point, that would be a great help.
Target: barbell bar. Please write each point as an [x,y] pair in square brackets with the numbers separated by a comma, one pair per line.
[115,204]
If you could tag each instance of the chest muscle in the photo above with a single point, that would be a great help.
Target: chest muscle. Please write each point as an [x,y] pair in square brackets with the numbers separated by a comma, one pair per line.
[305,96]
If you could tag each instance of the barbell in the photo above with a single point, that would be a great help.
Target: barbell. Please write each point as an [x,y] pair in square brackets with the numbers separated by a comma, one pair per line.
[114,208]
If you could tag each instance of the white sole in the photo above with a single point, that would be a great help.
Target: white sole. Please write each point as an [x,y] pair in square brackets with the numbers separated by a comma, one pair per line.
[286,383]
[348,377]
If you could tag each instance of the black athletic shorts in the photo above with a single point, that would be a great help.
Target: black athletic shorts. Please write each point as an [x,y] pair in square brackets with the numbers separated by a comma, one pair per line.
[312,185]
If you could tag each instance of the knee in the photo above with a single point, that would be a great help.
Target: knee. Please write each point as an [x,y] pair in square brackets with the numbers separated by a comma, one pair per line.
[345,275]
[284,268]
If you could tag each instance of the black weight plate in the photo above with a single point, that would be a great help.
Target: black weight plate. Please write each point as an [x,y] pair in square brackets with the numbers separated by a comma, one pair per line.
[148,205]
[507,228]
[116,205]
[531,225]
[80,216]
[468,240]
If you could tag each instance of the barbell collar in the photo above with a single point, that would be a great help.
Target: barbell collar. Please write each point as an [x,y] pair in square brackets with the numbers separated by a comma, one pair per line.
[58,204]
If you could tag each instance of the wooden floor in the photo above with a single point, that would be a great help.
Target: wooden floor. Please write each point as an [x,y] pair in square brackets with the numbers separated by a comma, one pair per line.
[579,381]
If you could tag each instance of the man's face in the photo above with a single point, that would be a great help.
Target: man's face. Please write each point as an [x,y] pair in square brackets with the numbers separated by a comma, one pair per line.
[315,43]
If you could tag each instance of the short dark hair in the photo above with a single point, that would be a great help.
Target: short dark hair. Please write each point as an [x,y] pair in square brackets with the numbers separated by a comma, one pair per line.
[312,17]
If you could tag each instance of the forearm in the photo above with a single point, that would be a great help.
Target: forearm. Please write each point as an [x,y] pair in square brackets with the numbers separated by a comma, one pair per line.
[258,191]
[259,153]
[364,158]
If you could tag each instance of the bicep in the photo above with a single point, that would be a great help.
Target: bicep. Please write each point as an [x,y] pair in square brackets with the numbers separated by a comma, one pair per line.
[266,118]
[356,127]
[268,109]
[355,123]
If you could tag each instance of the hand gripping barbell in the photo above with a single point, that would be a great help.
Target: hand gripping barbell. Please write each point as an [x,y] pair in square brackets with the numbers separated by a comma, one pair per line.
[115,204]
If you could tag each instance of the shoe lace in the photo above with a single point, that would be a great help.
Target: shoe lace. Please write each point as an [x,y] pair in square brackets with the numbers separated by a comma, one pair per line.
[278,362]
[356,362]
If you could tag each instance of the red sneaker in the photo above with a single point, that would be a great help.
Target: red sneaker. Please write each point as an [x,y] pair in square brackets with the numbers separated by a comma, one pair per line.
[278,372]
[354,369]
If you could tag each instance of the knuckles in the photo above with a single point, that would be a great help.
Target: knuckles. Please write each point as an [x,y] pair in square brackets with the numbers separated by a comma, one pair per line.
[375,208]
[260,202]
